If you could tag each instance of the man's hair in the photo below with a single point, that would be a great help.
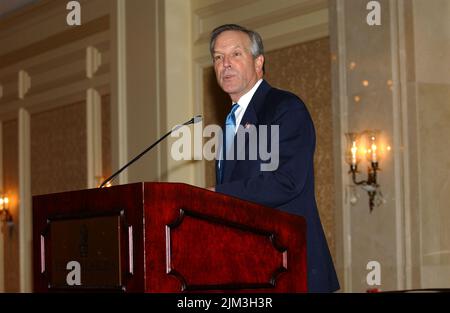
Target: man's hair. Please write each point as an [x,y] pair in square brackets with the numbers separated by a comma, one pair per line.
[256,48]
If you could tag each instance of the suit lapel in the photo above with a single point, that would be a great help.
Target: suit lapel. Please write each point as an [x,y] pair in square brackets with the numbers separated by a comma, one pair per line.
[250,118]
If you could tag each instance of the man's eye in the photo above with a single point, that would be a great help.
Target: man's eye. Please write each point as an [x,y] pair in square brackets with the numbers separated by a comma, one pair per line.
[217,58]
[237,53]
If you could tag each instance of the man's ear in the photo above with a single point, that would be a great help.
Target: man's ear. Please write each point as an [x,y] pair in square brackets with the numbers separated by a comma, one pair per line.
[259,62]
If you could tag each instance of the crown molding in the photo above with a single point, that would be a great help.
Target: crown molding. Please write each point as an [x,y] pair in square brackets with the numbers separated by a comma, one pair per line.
[277,15]
[224,5]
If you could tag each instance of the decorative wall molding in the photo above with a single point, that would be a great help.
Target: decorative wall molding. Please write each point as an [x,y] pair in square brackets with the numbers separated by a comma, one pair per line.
[398,141]
[35,102]
[56,41]
[252,14]
[73,50]
[25,213]
[281,23]
[29,15]
[319,30]
[404,22]
[94,138]
[56,73]
[213,7]
[24,83]
[93,61]
[119,97]
[343,244]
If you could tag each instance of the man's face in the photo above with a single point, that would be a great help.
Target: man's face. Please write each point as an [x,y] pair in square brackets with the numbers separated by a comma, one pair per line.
[236,69]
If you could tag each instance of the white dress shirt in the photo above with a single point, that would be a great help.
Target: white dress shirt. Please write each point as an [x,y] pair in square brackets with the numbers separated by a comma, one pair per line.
[243,104]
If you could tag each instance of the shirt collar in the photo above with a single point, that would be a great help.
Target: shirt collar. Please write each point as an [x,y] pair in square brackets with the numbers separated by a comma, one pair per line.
[244,101]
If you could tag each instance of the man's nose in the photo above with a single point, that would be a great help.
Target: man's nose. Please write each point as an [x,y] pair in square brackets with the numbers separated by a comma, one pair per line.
[226,61]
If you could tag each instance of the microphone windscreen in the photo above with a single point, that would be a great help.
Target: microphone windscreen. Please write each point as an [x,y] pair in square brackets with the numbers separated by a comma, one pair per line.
[198,118]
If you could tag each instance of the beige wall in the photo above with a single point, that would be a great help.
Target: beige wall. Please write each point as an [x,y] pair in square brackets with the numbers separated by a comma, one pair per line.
[142,66]
[215,109]
[367,236]
[306,71]
[407,234]
[61,146]
[178,84]
[431,85]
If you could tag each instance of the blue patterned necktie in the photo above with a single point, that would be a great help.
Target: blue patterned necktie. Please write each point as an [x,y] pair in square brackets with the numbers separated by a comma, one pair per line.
[230,128]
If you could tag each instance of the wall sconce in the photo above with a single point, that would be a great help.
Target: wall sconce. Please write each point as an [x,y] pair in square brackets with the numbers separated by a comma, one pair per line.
[372,154]
[5,215]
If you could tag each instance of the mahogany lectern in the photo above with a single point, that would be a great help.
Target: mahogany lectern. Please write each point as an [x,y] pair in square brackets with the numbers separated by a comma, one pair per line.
[164,237]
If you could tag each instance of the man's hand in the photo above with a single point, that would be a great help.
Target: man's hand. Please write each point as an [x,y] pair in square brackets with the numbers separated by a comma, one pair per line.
[213,188]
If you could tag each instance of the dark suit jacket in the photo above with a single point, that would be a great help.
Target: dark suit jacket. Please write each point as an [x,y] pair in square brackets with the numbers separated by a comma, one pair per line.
[290,187]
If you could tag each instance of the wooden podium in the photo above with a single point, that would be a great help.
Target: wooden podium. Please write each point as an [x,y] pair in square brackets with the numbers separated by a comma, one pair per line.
[164,237]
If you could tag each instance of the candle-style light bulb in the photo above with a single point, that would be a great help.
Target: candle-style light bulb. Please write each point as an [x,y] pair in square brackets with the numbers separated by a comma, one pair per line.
[354,149]
[351,151]
[374,153]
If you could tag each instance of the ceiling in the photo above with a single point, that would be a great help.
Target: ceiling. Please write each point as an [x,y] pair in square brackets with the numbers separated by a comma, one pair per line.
[9,6]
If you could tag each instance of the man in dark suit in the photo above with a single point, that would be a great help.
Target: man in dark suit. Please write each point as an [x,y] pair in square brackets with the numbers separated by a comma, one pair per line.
[239,65]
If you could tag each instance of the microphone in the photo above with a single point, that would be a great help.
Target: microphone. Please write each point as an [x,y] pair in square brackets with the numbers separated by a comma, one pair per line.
[194,120]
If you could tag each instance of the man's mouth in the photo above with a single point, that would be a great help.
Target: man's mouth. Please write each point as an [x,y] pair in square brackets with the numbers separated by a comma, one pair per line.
[228,76]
